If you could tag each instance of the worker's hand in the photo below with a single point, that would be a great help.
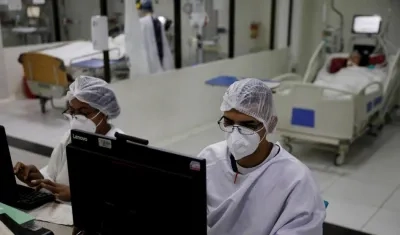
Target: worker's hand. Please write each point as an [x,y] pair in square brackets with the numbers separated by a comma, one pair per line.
[27,174]
[61,191]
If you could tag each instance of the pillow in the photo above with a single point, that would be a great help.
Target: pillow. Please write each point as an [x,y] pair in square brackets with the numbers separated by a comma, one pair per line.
[337,64]
[377,59]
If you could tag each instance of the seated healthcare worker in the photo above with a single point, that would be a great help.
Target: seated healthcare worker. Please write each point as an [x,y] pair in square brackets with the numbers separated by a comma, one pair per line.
[158,51]
[254,186]
[91,104]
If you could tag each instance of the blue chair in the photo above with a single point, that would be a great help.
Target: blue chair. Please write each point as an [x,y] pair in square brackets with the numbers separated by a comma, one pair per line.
[326,204]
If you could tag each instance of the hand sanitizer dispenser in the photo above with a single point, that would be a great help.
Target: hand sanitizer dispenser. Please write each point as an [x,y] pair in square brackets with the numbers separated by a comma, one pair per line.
[100,33]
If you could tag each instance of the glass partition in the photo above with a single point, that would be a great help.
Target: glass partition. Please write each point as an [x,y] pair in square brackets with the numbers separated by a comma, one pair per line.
[31,23]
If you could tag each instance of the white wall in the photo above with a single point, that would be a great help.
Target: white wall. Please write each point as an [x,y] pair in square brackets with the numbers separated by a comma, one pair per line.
[257,11]
[394,33]
[169,104]
[4,91]
[81,15]
[307,27]
[282,23]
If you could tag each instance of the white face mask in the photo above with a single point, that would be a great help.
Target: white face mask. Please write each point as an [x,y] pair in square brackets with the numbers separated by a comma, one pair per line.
[82,123]
[242,145]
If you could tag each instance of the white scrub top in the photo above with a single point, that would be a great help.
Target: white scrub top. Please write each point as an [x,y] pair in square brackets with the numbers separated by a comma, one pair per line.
[57,168]
[150,45]
[278,197]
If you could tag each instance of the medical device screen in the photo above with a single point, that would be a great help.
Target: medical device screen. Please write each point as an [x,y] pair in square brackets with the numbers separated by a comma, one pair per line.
[33,12]
[367,24]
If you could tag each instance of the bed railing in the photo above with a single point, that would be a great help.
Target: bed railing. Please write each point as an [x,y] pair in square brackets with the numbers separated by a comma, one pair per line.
[310,87]
[320,88]
[315,64]
[93,54]
[288,77]
[363,91]
[392,89]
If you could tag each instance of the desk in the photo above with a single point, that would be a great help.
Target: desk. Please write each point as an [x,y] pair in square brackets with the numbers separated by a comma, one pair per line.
[55,228]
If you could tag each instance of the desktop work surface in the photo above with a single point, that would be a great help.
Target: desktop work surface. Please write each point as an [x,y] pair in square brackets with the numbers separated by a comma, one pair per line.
[55,228]
[9,226]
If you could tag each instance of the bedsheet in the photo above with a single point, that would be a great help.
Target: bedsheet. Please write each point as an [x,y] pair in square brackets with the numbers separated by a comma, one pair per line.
[77,49]
[352,80]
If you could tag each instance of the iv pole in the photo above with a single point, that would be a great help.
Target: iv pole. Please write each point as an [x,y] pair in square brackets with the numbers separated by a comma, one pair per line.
[106,55]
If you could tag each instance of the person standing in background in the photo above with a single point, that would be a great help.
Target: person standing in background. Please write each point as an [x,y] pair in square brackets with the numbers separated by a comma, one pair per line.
[158,51]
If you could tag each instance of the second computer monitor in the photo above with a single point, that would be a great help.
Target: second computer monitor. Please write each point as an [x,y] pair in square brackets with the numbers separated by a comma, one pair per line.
[126,188]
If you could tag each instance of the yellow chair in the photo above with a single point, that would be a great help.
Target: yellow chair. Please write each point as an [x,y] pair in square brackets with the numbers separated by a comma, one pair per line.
[46,76]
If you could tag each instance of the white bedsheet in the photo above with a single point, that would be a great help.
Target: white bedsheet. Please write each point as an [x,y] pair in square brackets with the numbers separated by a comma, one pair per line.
[351,79]
[81,48]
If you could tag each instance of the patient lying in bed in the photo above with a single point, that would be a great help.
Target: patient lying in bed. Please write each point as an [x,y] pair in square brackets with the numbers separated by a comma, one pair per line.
[350,79]
[354,59]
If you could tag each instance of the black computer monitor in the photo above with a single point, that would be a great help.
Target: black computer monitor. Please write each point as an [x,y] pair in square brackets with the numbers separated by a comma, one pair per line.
[119,187]
[8,184]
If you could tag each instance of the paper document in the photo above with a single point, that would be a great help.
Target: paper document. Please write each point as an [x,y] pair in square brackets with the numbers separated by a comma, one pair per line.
[56,213]
[4,230]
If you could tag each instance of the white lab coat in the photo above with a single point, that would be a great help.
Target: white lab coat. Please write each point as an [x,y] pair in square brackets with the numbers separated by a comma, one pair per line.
[57,168]
[151,47]
[278,197]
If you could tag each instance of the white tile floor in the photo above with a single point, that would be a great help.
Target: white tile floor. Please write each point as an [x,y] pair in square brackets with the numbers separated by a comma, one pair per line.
[364,194]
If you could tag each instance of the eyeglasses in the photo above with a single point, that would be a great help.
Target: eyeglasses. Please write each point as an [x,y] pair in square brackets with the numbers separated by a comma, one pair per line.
[81,111]
[227,125]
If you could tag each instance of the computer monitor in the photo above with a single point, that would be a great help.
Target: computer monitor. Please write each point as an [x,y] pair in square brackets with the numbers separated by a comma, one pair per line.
[7,178]
[118,187]
[367,24]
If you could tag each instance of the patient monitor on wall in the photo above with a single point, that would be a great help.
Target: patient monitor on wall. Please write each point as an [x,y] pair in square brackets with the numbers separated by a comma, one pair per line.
[370,25]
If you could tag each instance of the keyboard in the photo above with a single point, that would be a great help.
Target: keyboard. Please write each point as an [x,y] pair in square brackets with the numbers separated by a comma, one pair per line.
[29,199]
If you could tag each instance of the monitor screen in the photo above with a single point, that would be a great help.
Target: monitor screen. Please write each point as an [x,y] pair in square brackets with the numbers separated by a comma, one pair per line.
[367,24]
[33,11]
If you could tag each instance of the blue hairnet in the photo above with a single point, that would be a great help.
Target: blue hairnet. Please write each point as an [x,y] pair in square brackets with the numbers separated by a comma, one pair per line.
[96,93]
[145,5]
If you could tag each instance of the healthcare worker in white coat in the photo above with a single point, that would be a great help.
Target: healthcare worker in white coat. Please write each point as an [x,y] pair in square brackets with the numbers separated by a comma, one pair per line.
[158,51]
[254,186]
[91,104]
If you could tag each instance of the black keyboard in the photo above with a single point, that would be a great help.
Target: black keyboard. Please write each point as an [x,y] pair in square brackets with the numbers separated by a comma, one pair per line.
[30,199]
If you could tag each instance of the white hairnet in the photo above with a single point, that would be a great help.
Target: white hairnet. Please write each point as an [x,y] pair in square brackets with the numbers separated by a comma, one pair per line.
[96,93]
[254,98]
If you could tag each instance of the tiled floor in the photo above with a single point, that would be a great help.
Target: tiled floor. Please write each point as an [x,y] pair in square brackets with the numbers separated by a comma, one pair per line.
[364,194]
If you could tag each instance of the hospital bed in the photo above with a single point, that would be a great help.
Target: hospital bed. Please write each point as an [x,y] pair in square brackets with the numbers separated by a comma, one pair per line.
[51,70]
[79,57]
[335,109]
